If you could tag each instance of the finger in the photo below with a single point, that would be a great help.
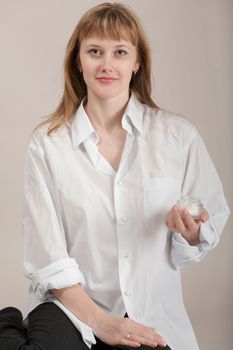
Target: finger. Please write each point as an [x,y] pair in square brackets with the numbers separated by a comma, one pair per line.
[189,222]
[204,216]
[157,340]
[167,218]
[149,335]
[144,341]
[130,343]
[144,334]
[170,219]
[170,222]
[180,227]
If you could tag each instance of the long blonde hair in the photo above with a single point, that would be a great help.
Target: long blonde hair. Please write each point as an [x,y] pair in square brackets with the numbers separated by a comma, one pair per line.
[107,20]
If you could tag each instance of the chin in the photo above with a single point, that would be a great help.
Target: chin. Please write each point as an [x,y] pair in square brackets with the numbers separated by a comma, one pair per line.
[107,94]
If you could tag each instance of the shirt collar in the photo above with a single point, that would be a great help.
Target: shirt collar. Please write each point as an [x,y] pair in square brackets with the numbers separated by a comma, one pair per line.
[133,115]
[82,129]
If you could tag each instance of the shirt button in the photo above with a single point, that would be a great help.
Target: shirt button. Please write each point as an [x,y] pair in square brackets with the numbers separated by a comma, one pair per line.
[123,219]
[127,293]
[126,255]
[120,182]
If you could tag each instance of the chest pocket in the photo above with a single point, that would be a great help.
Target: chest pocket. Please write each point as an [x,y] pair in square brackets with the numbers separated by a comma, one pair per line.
[159,195]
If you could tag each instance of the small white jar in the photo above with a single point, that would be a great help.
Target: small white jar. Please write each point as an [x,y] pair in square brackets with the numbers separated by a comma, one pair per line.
[192,204]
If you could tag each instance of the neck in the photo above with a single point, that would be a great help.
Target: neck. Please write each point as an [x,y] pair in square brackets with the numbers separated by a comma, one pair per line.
[106,113]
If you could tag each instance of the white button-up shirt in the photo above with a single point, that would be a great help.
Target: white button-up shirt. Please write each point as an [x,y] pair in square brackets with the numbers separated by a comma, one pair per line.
[86,223]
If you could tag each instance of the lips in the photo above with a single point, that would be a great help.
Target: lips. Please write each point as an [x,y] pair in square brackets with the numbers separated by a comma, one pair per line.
[106,79]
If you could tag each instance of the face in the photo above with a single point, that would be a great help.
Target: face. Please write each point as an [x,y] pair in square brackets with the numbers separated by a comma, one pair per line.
[107,66]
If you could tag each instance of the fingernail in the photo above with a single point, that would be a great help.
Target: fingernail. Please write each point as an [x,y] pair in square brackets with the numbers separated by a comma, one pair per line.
[164,343]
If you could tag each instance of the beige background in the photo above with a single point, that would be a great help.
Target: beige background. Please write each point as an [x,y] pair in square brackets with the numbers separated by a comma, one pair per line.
[192,55]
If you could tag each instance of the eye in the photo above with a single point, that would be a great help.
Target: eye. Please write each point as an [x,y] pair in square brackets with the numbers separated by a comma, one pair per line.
[122,52]
[95,52]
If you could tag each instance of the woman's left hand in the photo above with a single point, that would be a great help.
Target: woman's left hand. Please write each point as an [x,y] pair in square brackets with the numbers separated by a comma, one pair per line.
[180,221]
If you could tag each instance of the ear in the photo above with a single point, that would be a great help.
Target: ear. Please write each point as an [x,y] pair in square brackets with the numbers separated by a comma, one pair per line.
[136,68]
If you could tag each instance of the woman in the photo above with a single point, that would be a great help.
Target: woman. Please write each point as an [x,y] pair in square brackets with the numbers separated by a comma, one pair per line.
[104,240]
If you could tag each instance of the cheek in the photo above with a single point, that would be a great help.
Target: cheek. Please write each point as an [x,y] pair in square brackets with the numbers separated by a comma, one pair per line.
[87,63]
[88,72]
[129,67]
[86,67]
[87,78]
[127,73]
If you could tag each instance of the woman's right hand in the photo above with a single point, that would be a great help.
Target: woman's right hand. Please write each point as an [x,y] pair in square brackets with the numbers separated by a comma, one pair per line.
[110,329]
[124,331]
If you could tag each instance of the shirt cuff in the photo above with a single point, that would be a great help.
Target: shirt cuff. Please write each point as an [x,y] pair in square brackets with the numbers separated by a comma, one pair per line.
[208,236]
[85,330]
[59,274]
[183,253]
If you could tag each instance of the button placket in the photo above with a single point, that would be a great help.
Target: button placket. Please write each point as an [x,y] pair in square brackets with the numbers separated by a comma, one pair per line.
[123,219]
[122,207]
[127,293]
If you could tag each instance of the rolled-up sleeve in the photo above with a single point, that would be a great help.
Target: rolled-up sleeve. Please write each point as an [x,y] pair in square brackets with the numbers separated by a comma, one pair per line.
[59,274]
[201,180]
[46,259]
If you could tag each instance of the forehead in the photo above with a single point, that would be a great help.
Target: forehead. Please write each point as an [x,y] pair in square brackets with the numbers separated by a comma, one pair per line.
[109,25]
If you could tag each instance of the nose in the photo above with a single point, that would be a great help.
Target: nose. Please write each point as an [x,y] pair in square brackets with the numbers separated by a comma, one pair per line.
[106,68]
[106,65]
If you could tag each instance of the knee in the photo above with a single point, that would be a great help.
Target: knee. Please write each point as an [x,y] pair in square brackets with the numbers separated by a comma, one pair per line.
[10,318]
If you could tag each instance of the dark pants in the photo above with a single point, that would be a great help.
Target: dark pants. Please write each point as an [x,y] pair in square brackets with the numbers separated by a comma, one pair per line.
[48,329]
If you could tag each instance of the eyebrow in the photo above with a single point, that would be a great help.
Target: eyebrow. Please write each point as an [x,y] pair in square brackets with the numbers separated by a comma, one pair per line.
[116,46]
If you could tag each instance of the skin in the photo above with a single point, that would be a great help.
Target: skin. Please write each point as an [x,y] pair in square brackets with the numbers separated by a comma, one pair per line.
[110,59]
[106,102]
[179,220]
